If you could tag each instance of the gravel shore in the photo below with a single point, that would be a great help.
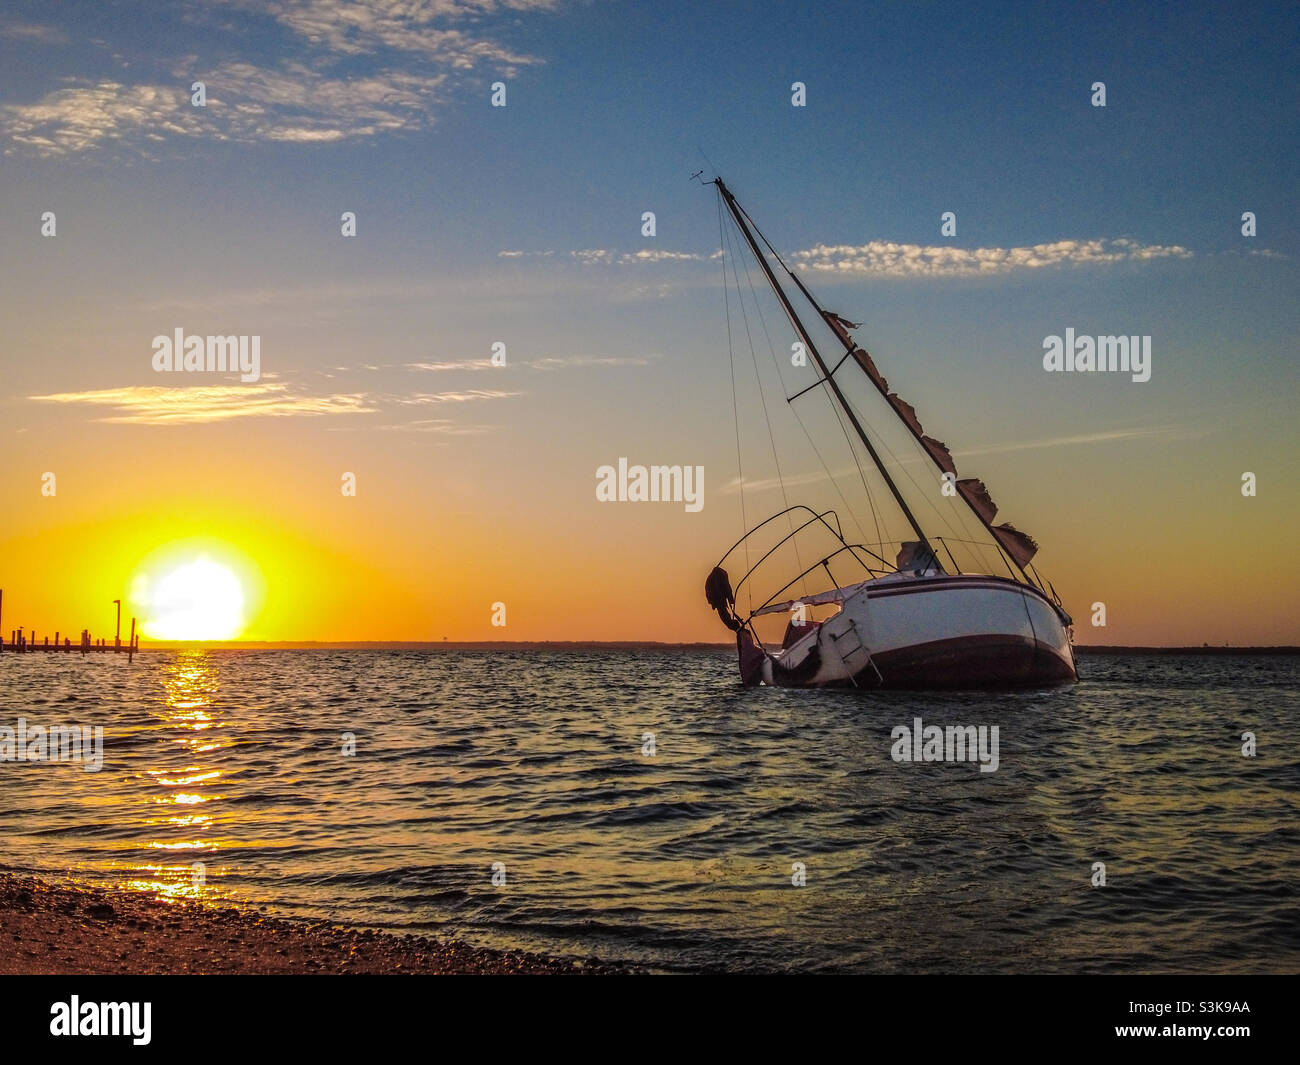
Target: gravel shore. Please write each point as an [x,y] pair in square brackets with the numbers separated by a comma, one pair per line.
[51,927]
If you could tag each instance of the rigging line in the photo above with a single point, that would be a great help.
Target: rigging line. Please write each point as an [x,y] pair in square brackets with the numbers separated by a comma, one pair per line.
[835,483]
[776,459]
[871,503]
[776,255]
[735,410]
[857,460]
[799,284]
[849,508]
[830,387]
[776,365]
[925,495]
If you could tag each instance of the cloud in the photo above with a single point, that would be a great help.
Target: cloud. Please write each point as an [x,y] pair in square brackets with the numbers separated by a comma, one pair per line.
[438,367]
[653,255]
[315,95]
[160,405]
[550,362]
[244,104]
[77,118]
[568,362]
[29,33]
[296,103]
[887,259]
[421,27]
[602,256]
[439,426]
[1105,436]
[882,258]
[469,395]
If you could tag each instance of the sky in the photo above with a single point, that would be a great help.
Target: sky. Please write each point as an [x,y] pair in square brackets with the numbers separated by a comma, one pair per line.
[522,225]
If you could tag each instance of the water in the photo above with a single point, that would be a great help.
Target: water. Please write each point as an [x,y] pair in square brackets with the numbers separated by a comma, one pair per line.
[683,860]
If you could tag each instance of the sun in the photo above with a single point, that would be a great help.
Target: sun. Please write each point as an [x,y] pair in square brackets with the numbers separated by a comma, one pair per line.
[200,599]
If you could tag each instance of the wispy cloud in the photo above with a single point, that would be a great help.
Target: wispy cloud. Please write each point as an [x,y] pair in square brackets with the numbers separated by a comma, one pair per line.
[159,405]
[654,255]
[570,362]
[423,27]
[1105,436]
[549,362]
[245,104]
[606,257]
[30,33]
[80,117]
[436,426]
[888,259]
[314,95]
[469,395]
[450,364]
[603,256]
[882,258]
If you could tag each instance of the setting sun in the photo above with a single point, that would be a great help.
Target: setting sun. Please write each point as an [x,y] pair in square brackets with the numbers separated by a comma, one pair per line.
[186,593]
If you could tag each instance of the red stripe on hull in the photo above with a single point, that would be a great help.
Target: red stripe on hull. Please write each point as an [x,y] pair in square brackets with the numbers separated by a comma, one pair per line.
[932,584]
[970,663]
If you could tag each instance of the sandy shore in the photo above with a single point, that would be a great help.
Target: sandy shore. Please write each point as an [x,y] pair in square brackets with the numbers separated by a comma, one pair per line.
[48,927]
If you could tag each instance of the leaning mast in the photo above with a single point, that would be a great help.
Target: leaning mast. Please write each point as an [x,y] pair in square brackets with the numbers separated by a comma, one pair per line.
[965,489]
[827,376]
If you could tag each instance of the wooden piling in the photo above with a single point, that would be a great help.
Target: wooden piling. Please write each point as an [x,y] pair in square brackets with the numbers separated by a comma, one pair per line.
[23,642]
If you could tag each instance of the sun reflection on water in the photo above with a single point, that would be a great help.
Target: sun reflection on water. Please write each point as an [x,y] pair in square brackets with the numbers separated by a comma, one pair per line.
[186,781]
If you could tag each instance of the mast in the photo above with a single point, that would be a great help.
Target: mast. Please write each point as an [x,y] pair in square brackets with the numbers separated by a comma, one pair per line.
[739,215]
[850,347]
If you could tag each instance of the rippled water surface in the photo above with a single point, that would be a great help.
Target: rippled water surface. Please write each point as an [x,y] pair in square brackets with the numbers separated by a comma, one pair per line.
[683,859]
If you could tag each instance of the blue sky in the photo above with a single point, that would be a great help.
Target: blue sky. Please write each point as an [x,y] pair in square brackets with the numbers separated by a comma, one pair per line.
[912,109]
[523,224]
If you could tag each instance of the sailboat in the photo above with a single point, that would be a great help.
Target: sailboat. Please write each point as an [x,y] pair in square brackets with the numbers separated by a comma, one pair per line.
[911,622]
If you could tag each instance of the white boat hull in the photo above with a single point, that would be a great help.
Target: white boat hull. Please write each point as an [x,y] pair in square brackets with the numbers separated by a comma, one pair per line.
[918,633]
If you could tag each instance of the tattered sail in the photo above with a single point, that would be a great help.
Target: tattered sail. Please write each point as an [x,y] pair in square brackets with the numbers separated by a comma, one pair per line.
[869,368]
[841,326]
[1020,546]
[939,452]
[907,412]
[973,491]
[937,448]
[918,627]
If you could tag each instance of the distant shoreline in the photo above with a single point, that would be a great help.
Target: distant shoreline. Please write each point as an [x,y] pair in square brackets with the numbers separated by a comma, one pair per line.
[617,645]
